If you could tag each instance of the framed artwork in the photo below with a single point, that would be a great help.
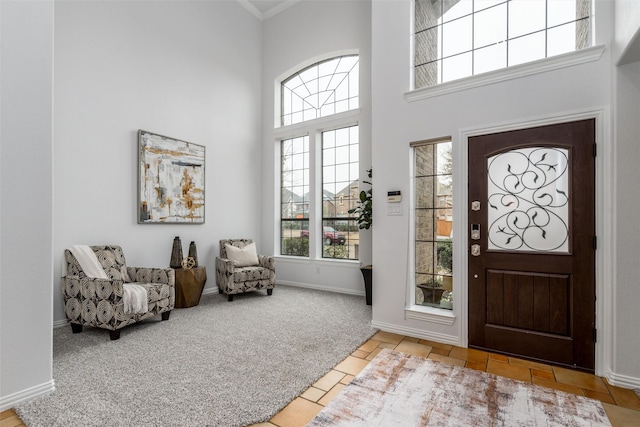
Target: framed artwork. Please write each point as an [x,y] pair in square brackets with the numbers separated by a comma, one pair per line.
[170,180]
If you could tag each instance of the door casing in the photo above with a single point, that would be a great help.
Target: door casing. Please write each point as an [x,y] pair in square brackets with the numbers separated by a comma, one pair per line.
[605,214]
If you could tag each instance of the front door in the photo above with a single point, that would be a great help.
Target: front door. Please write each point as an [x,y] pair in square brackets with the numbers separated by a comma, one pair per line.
[532,243]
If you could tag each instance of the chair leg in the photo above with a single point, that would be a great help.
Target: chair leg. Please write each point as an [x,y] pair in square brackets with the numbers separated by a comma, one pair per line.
[76,328]
[115,335]
[165,315]
[230,297]
[269,291]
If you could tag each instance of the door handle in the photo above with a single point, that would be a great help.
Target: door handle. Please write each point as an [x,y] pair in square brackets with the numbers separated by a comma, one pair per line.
[475,231]
[475,250]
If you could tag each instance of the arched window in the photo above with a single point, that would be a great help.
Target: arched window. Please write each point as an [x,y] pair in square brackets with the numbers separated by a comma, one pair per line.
[324,88]
[319,167]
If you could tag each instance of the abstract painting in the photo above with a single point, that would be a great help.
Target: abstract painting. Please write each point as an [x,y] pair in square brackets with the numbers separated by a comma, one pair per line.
[170,180]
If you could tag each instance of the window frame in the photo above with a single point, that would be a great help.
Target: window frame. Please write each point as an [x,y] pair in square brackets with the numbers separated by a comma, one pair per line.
[415,311]
[280,95]
[313,128]
[351,218]
[584,55]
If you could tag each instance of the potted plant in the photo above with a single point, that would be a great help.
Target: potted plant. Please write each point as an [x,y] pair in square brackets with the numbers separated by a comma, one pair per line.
[365,206]
[364,211]
[447,300]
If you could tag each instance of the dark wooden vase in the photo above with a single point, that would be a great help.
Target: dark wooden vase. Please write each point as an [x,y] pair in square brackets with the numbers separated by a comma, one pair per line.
[367,274]
[193,253]
[176,253]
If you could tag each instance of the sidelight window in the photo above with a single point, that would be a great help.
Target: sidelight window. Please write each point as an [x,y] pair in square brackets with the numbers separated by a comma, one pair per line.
[433,204]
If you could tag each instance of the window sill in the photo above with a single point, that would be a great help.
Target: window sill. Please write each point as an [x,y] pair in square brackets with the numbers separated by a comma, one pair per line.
[430,314]
[540,66]
[320,261]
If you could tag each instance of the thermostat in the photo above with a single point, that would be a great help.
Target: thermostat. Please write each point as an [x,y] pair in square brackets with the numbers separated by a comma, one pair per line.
[394,197]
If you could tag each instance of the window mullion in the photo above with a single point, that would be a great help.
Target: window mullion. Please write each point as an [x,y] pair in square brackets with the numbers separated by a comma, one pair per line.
[315,196]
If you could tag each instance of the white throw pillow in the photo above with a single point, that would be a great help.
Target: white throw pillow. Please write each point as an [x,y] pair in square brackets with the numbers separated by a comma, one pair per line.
[242,257]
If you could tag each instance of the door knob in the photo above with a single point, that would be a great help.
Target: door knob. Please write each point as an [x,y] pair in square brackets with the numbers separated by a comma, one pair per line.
[475,250]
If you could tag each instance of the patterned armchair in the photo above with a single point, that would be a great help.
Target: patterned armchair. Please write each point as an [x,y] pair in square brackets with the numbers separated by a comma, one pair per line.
[99,302]
[235,279]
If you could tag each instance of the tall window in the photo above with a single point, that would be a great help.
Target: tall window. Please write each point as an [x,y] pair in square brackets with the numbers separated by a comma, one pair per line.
[294,196]
[460,38]
[319,171]
[324,88]
[433,197]
[340,192]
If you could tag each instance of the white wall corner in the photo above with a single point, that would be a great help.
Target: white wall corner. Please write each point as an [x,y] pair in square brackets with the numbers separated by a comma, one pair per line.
[10,401]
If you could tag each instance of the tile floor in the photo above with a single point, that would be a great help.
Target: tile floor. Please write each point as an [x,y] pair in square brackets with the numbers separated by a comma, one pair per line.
[622,405]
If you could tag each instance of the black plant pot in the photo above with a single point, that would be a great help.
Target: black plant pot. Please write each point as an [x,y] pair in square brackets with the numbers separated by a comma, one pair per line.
[367,272]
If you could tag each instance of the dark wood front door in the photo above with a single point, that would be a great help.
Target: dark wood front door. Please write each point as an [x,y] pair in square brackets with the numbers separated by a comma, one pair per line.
[532,243]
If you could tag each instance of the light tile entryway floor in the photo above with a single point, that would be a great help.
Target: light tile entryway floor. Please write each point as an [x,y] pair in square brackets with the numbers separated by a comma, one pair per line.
[622,405]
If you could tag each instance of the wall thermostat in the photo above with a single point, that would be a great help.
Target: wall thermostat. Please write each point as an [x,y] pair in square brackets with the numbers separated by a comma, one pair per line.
[394,197]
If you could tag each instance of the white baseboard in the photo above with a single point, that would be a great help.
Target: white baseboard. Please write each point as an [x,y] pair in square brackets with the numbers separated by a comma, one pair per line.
[208,291]
[320,288]
[417,333]
[623,381]
[8,402]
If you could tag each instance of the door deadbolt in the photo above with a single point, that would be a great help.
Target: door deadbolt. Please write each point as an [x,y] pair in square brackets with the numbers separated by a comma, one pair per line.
[475,231]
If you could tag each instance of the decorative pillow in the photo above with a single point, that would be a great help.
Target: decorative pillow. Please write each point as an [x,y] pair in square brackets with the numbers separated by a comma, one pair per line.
[242,257]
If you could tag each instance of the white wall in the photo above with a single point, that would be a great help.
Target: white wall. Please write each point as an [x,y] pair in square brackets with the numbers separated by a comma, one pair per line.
[626,363]
[305,31]
[397,122]
[627,31]
[186,69]
[26,31]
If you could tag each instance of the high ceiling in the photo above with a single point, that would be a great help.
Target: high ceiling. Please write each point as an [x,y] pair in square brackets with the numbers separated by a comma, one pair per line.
[265,9]
[264,6]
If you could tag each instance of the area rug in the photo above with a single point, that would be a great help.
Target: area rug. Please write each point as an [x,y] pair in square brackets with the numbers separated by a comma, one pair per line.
[398,389]
[217,364]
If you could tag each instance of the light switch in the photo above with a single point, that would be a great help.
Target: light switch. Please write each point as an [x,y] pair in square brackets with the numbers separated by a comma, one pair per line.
[394,209]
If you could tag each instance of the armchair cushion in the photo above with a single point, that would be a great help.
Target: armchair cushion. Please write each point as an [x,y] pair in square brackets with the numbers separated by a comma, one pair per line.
[243,257]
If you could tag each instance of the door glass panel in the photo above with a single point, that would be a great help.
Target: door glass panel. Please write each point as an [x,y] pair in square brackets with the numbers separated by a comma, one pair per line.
[528,200]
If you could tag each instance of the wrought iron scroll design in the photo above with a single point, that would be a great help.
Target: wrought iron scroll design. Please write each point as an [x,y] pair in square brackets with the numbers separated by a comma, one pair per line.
[528,200]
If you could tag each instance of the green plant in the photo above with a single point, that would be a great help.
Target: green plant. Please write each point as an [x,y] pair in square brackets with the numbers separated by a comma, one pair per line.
[445,256]
[335,251]
[296,246]
[364,209]
[434,282]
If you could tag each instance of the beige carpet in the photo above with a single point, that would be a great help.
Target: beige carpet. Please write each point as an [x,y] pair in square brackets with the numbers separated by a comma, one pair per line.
[398,389]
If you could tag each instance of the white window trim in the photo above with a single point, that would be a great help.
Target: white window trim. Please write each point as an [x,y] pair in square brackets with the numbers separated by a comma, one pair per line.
[414,311]
[543,65]
[277,84]
[320,124]
[312,128]
[430,314]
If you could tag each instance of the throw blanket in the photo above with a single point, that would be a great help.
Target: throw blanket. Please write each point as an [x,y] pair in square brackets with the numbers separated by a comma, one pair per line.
[134,299]
[134,296]
[88,261]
